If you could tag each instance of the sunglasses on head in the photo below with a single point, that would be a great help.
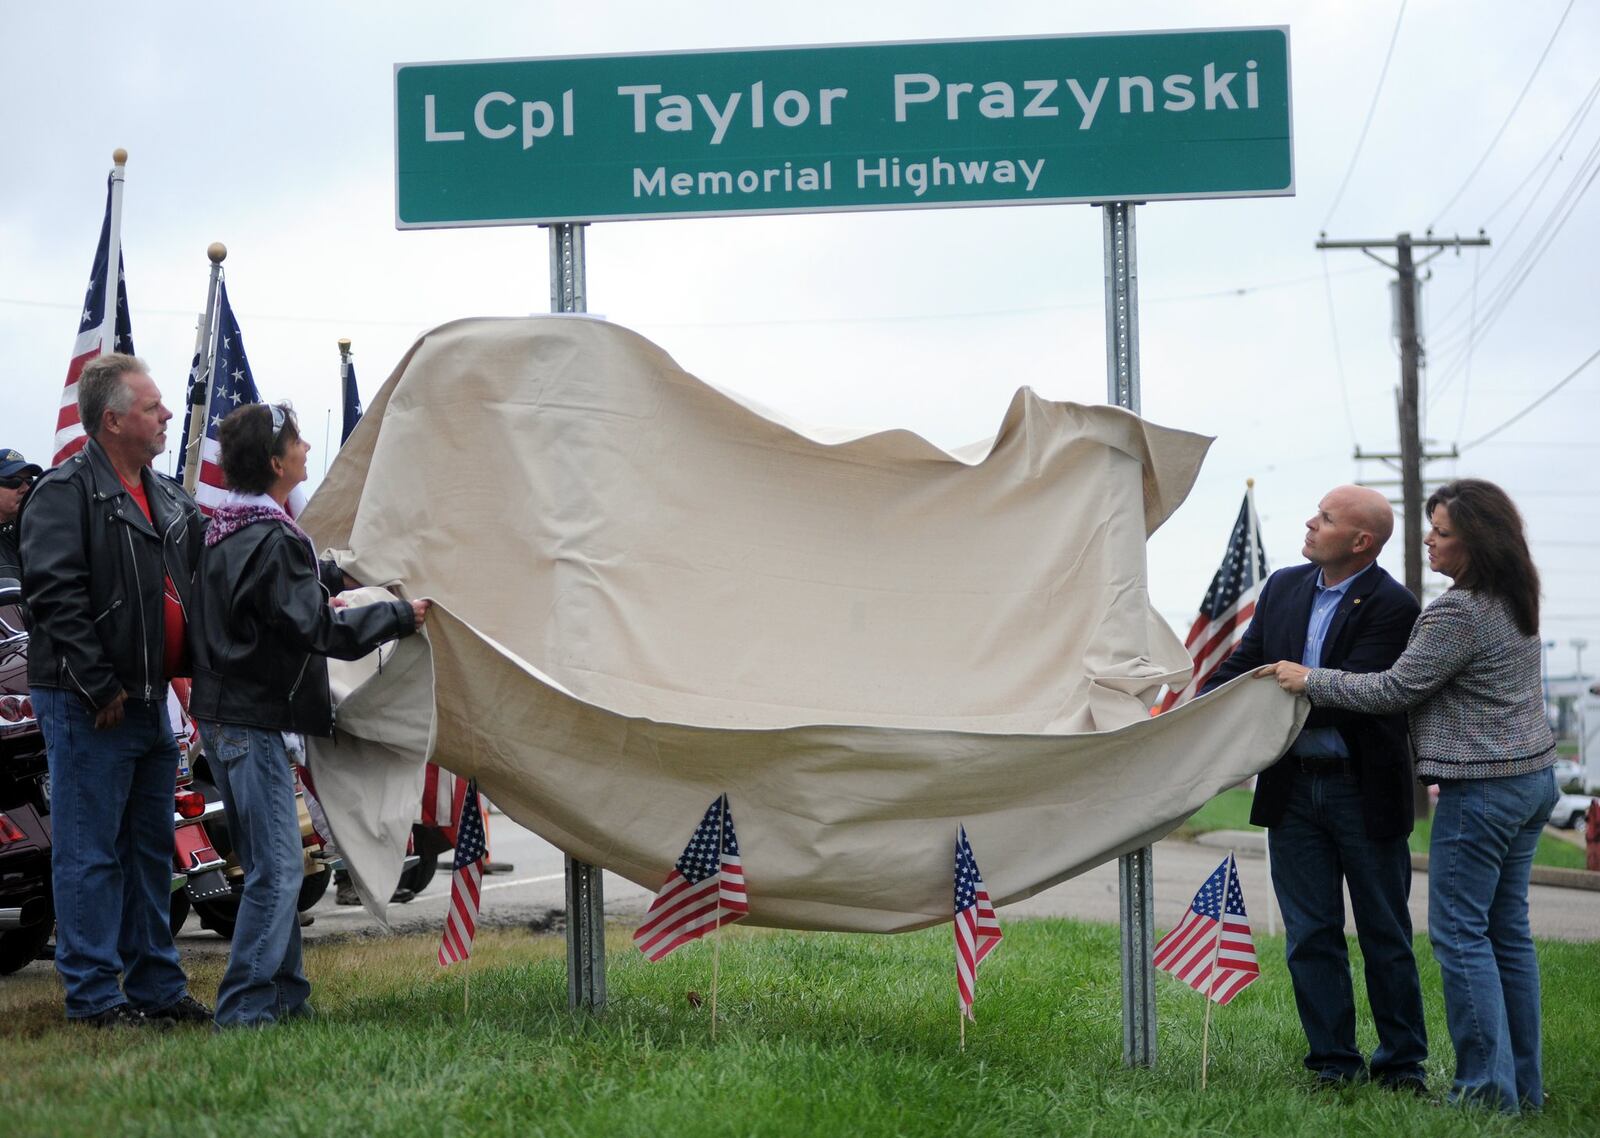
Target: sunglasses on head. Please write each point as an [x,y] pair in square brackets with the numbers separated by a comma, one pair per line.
[278,420]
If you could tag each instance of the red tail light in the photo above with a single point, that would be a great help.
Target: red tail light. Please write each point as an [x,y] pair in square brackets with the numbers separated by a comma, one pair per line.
[190,804]
[10,831]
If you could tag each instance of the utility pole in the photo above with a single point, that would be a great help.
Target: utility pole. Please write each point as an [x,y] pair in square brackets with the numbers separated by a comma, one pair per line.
[1410,456]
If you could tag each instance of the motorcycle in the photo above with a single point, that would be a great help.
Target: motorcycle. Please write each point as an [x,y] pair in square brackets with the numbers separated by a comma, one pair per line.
[27,909]
[198,871]
[206,875]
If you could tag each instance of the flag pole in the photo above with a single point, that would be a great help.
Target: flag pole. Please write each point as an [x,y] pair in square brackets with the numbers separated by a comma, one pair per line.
[344,388]
[466,981]
[108,317]
[716,929]
[1255,557]
[327,425]
[200,385]
[1211,976]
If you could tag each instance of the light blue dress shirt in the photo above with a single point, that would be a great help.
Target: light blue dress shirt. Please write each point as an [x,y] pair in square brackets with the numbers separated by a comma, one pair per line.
[1323,742]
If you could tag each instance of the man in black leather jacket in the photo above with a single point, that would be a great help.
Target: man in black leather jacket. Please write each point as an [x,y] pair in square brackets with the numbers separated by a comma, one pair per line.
[109,550]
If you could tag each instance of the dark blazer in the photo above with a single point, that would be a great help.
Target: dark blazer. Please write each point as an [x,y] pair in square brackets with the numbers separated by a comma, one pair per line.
[1368,633]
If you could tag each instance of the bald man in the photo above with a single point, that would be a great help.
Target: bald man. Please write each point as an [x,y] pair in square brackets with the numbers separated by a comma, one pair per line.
[1337,806]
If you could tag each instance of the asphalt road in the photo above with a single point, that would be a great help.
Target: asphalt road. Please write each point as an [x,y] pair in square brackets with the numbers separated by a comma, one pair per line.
[535,893]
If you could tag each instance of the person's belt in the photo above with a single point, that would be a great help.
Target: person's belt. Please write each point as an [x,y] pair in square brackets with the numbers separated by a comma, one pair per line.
[1321,764]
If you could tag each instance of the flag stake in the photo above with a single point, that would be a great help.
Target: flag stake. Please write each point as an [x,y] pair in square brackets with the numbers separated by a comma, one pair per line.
[466,981]
[716,928]
[962,1020]
[1216,952]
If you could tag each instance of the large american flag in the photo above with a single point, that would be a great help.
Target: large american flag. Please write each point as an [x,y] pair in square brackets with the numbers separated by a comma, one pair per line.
[99,331]
[977,928]
[466,882]
[705,890]
[233,386]
[1210,949]
[1228,606]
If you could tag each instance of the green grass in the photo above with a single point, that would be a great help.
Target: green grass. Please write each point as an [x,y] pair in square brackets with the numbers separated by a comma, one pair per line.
[1230,810]
[819,1034]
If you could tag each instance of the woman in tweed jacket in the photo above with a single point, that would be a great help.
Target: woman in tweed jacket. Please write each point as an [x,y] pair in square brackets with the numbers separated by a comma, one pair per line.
[1470,681]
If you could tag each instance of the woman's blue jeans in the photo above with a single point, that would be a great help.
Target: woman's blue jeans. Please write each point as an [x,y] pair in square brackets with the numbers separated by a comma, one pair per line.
[1484,835]
[265,981]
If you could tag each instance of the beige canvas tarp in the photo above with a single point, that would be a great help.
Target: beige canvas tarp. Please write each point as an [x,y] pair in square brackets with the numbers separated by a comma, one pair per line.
[650,592]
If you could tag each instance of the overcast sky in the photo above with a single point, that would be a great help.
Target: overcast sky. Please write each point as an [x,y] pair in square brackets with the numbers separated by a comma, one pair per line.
[270,127]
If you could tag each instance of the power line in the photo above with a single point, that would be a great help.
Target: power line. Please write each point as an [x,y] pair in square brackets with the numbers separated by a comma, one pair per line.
[1519,272]
[1511,114]
[1360,142]
[1338,356]
[1559,385]
[1562,140]
[423,322]
[1584,107]
[1466,382]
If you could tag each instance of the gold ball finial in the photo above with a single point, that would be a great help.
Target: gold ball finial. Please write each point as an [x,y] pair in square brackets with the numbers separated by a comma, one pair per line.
[1249,483]
[119,157]
[218,252]
[344,343]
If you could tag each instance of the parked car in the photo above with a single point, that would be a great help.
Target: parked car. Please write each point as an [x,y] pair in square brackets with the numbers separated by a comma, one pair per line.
[1570,810]
[1568,774]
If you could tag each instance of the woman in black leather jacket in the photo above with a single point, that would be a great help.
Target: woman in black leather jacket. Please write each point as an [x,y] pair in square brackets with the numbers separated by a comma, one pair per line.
[261,630]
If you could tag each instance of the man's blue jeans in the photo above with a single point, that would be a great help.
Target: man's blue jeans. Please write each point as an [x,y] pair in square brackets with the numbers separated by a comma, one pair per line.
[111,825]
[1484,835]
[1318,849]
[265,981]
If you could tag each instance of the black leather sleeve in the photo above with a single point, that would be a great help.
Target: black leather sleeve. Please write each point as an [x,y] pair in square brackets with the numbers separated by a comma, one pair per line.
[55,558]
[291,602]
[332,576]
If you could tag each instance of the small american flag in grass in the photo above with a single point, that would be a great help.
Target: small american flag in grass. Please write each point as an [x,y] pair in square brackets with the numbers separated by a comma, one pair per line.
[704,890]
[466,882]
[1210,949]
[977,928]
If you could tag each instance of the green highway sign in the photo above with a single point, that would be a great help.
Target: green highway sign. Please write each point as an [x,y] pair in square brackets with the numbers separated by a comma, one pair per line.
[1127,117]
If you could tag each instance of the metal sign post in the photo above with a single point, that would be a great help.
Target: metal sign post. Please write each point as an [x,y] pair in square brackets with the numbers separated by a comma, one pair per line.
[1135,872]
[1100,119]
[586,916]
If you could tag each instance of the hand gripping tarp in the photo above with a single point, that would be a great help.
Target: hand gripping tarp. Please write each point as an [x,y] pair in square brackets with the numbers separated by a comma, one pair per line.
[649,592]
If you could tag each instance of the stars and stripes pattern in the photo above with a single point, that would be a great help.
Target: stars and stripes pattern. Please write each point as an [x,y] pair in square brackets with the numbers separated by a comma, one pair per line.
[1228,606]
[99,331]
[1210,949]
[233,386]
[466,881]
[704,891]
[977,927]
[443,797]
[352,400]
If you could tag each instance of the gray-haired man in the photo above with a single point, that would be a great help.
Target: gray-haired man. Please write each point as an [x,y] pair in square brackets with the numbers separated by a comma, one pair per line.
[109,550]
